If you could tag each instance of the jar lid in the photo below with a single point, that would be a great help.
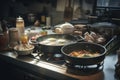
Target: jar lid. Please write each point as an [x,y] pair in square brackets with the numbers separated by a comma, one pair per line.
[19,18]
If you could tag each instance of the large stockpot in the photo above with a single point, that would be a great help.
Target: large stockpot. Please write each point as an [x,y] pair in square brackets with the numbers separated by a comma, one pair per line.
[67,49]
[105,28]
[55,48]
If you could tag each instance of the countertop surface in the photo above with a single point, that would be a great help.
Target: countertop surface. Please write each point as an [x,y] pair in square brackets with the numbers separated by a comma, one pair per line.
[41,67]
[46,68]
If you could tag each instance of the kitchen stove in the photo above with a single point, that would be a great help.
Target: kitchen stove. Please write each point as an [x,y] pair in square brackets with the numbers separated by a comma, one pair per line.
[84,69]
[53,58]
[58,59]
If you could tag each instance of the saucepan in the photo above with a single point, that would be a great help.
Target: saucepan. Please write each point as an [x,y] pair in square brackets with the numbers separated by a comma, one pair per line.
[52,43]
[85,53]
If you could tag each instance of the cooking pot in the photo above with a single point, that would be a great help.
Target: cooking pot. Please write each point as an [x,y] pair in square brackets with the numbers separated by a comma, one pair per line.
[105,28]
[88,46]
[55,48]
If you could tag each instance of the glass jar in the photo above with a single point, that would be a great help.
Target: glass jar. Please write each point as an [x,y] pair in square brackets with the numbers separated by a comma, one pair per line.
[13,37]
[24,39]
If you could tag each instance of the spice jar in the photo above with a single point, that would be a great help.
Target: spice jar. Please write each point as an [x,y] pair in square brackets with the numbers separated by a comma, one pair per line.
[24,39]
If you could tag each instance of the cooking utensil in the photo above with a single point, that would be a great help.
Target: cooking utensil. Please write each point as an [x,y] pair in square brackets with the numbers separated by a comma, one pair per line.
[67,49]
[55,48]
[84,46]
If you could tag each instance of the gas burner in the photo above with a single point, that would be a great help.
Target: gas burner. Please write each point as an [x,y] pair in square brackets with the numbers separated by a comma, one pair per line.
[53,58]
[84,69]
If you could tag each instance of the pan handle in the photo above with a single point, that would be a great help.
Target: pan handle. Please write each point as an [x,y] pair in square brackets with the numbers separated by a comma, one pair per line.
[79,38]
[112,39]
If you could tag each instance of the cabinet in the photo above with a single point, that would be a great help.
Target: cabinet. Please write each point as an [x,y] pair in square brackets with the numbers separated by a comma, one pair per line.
[12,72]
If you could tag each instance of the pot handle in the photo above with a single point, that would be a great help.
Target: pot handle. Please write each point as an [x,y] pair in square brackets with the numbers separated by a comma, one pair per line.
[112,39]
[34,42]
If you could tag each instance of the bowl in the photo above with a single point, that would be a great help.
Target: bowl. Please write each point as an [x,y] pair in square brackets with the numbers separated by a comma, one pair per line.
[24,49]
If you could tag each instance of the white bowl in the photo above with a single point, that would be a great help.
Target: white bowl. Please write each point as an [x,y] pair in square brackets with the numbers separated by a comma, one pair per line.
[24,51]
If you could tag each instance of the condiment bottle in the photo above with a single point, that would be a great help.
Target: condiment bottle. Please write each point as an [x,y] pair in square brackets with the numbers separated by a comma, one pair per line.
[48,22]
[20,25]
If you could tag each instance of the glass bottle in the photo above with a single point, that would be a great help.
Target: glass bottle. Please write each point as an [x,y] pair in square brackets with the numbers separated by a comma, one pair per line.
[68,12]
[20,25]
[44,14]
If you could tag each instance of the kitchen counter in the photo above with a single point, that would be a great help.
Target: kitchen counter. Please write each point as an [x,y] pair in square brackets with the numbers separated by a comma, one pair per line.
[55,72]
[48,71]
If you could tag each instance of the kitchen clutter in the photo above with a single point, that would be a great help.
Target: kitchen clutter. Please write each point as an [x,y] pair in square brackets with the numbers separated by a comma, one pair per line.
[15,38]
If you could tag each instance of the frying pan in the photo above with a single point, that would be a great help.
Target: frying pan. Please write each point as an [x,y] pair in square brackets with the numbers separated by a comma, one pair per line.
[93,47]
[55,48]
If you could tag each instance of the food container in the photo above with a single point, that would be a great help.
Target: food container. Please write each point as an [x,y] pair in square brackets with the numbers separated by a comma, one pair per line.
[13,37]
[24,49]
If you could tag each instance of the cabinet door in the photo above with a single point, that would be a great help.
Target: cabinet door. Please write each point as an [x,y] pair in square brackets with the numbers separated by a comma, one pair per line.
[23,75]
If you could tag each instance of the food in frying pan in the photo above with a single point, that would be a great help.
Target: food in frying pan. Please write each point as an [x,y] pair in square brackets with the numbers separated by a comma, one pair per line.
[84,53]
[93,37]
[55,41]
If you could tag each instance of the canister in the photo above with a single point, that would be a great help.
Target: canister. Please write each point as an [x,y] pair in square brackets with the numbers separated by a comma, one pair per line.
[13,37]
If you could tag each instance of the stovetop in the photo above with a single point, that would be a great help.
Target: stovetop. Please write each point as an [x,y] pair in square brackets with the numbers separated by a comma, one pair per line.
[58,67]
[59,60]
